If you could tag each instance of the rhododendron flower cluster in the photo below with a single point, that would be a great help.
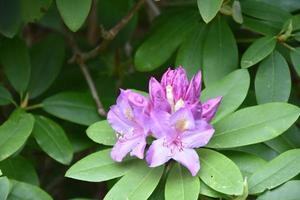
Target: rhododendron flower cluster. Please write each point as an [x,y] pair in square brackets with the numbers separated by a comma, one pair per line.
[172,114]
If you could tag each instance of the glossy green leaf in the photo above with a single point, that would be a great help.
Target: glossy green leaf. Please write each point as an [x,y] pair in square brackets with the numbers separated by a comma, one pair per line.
[162,43]
[233,88]
[15,59]
[72,106]
[295,57]
[273,80]
[220,53]
[247,163]
[213,166]
[288,191]
[33,10]
[10,17]
[276,172]
[260,149]
[190,52]
[20,169]
[4,188]
[258,50]
[207,191]
[260,26]
[237,12]
[209,8]
[52,139]
[14,133]
[181,185]
[5,96]
[253,125]
[143,180]
[98,167]
[22,191]
[102,133]
[45,63]
[74,12]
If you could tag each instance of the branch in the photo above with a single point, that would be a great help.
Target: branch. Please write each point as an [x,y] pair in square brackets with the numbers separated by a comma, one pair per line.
[111,34]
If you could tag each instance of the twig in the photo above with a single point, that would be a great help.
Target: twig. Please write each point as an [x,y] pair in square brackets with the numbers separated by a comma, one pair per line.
[110,35]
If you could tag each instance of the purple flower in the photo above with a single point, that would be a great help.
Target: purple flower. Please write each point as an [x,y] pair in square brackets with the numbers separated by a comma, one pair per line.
[175,92]
[179,133]
[129,119]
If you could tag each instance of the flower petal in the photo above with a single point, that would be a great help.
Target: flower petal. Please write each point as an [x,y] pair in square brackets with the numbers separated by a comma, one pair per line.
[158,153]
[182,119]
[160,123]
[139,149]
[199,136]
[209,108]
[118,122]
[158,96]
[188,158]
[193,92]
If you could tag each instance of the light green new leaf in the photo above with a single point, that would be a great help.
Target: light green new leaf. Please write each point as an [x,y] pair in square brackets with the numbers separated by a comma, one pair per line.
[258,50]
[233,88]
[10,17]
[72,106]
[137,184]
[98,167]
[14,133]
[0,172]
[190,52]
[20,169]
[273,80]
[4,188]
[253,125]
[15,59]
[237,12]
[5,96]
[165,39]
[181,185]
[209,8]
[22,191]
[52,139]
[220,53]
[102,133]
[220,173]
[247,163]
[45,63]
[295,57]
[288,191]
[277,171]
[74,12]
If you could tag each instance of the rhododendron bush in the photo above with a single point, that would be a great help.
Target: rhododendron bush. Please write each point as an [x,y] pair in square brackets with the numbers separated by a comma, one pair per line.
[147,99]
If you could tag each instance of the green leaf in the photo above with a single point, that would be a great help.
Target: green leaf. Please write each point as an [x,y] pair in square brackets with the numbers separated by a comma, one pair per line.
[14,133]
[258,50]
[74,12]
[22,191]
[181,185]
[209,8]
[5,96]
[220,173]
[247,163]
[253,125]
[190,52]
[10,17]
[15,60]
[72,106]
[33,10]
[273,80]
[20,169]
[220,53]
[142,179]
[276,172]
[207,191]
[98,167]
[260,149]
[237,12]
[260,26]
[162,43]
[52,139]
[0,172]
[295,57]
[288,191]
[102,133]
[233,88]
[4,188]
[45,63]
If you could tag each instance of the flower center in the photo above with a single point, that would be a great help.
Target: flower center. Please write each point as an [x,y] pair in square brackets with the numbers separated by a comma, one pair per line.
[181,125]
[128,113]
